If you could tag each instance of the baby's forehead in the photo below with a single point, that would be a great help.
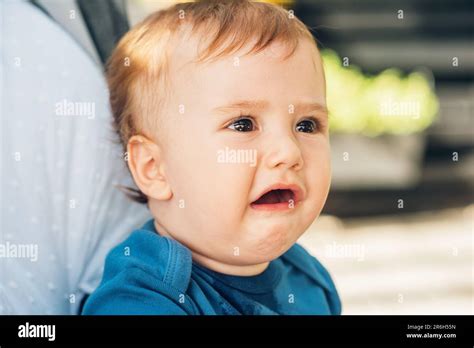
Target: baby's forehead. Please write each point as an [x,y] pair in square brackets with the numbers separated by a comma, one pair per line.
[190,51]
[263,75]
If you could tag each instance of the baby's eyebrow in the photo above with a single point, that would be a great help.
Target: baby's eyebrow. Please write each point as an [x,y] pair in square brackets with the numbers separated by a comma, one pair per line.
[300,107]
[242,104]
[309,107]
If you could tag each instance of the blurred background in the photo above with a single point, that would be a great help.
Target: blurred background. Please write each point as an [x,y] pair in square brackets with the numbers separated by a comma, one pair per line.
[399,232]
[397,229]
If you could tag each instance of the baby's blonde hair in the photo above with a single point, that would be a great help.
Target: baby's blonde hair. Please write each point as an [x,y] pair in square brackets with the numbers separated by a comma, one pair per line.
[137,70]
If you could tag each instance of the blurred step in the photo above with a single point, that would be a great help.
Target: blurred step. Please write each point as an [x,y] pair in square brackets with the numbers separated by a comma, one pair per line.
[413,264]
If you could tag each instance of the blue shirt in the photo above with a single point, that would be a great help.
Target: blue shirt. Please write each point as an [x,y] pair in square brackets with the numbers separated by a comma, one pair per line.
[152,274]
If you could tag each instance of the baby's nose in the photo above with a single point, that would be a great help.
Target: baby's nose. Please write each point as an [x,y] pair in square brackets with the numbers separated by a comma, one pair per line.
[283,151]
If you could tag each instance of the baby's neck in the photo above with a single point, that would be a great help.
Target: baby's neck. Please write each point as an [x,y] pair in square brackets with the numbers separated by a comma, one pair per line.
[217,266]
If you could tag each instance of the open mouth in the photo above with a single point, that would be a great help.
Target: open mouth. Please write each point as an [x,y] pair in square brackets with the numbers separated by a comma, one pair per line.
[279,197]
[276,197]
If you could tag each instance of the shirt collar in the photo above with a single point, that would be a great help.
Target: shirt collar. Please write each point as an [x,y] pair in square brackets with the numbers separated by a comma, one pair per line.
[256,284]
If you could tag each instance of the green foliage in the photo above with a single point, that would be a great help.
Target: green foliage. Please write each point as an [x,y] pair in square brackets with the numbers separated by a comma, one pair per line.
[387,103]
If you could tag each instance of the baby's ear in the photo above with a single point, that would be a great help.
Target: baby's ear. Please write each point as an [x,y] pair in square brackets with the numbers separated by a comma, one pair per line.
[147,168]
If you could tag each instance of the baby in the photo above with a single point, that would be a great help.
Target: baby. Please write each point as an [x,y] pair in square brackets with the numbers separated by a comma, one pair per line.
[221,108]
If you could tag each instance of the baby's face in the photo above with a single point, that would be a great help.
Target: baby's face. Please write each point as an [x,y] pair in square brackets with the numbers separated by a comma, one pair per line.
[234,129]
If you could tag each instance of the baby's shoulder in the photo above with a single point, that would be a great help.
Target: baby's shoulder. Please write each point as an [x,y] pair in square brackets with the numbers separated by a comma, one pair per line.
[145,274]
[298,257]
[147,252]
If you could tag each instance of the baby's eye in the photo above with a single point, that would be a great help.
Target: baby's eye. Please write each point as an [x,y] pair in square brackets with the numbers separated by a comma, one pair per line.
[307,126]
[244,124]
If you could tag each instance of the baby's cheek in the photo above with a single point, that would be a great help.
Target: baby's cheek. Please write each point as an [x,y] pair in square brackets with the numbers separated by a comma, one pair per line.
[318,174]
[218,213]
[233,185]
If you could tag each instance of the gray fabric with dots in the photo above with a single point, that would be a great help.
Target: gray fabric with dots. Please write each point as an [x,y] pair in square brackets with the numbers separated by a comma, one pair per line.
[57,167]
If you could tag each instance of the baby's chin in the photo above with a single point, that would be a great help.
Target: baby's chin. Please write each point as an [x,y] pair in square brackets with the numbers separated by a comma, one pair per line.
[271,243]
[255,257]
